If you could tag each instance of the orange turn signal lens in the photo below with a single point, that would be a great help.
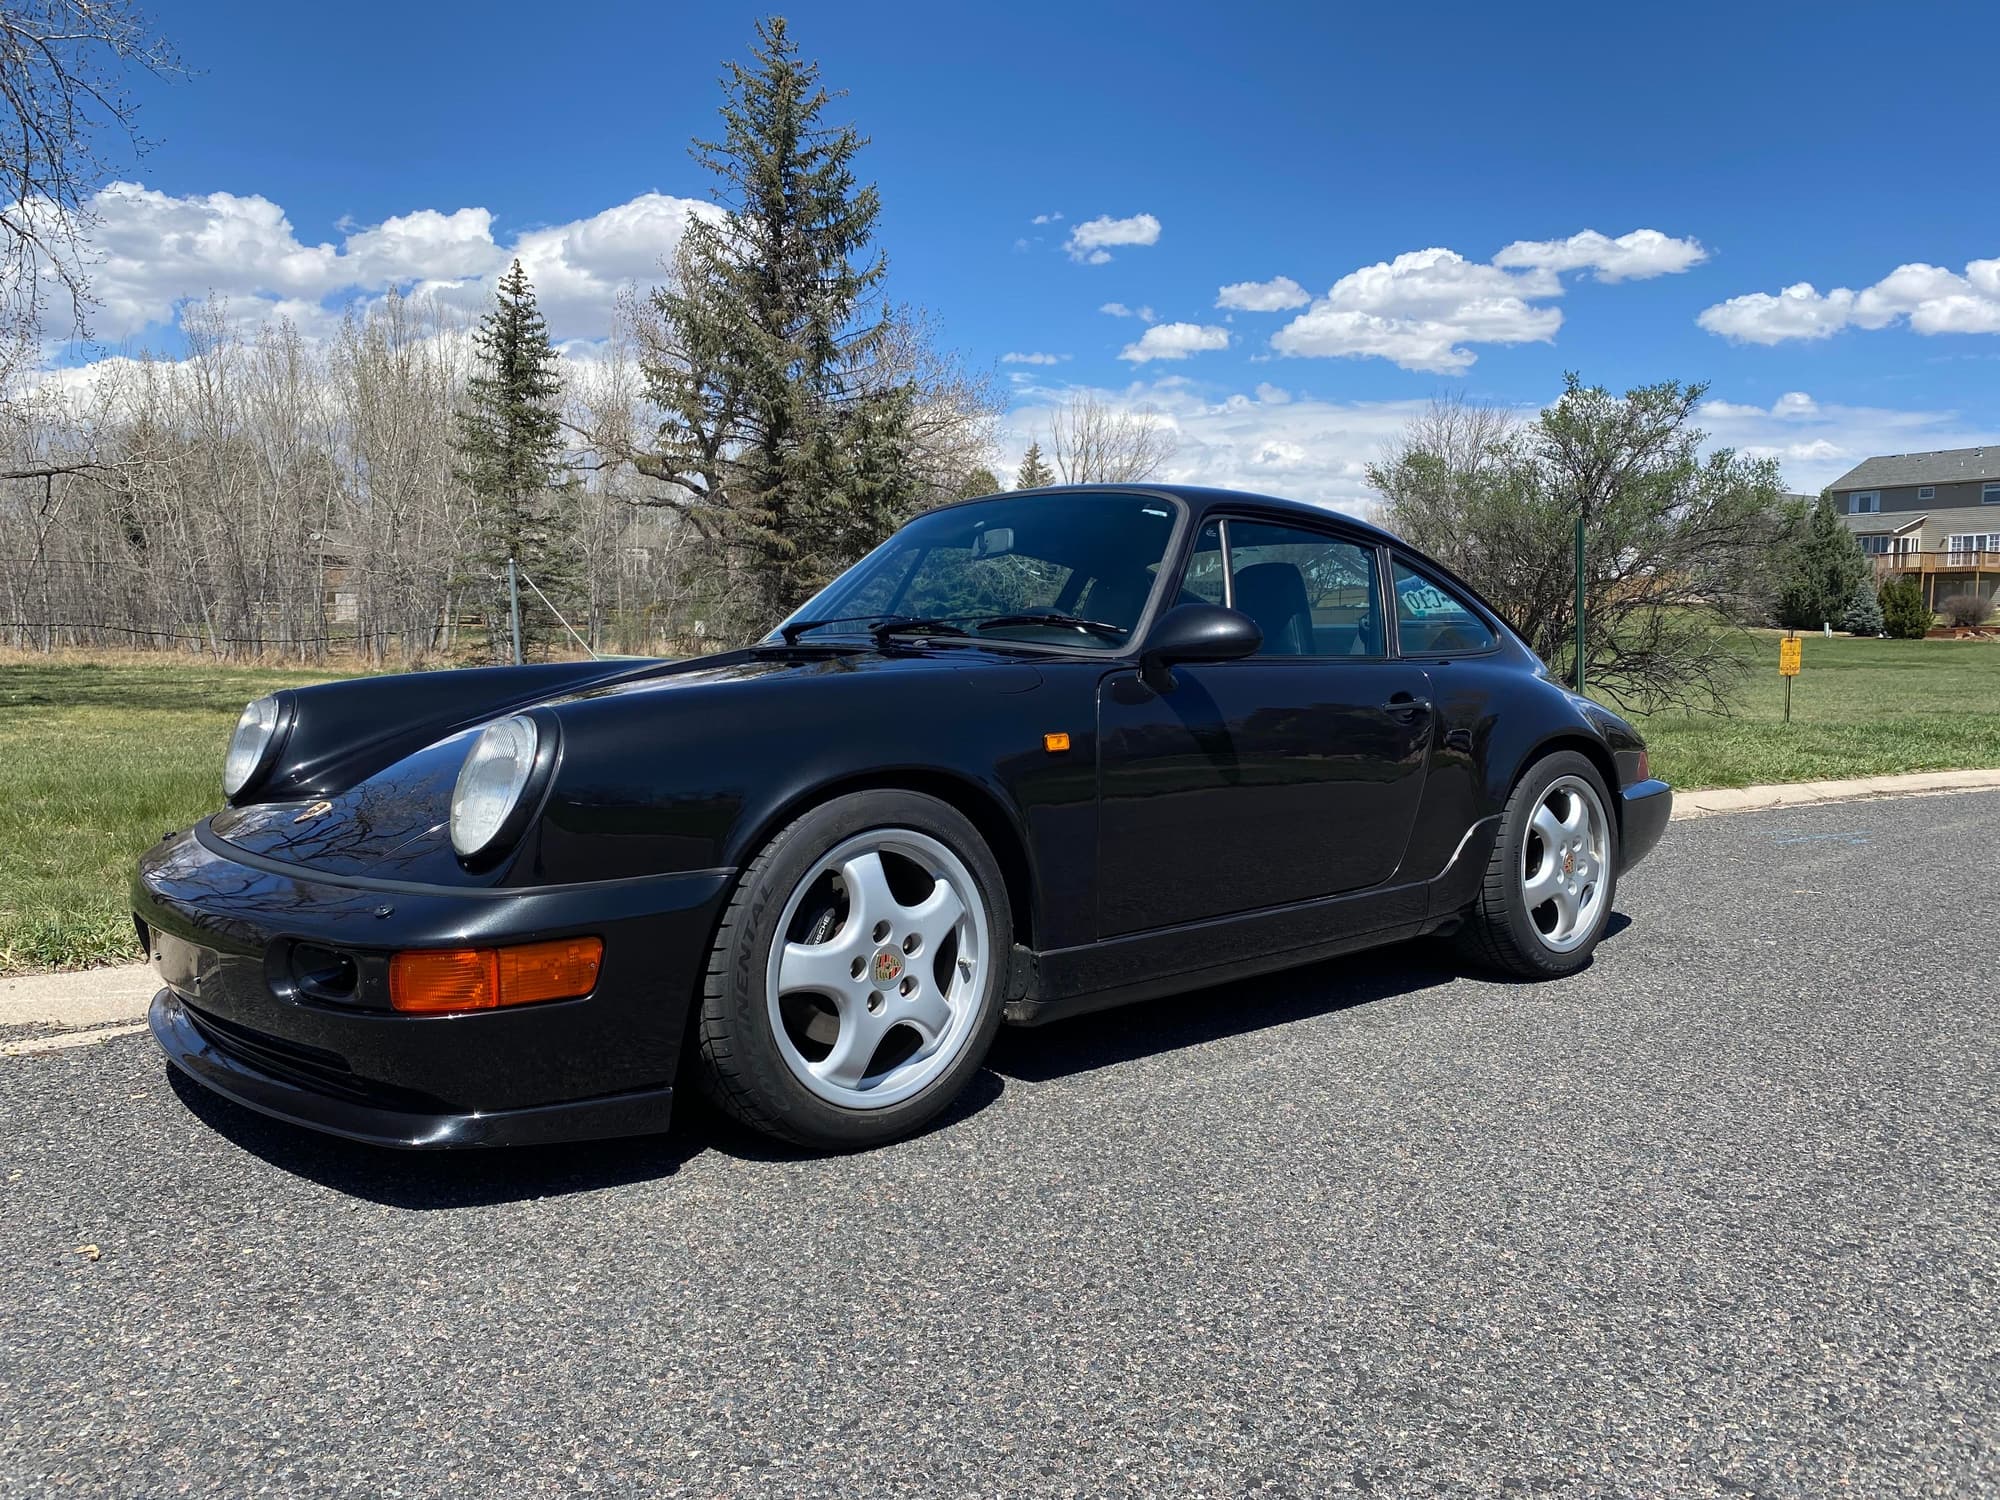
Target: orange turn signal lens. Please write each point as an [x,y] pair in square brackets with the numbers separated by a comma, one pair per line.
[1055,744]
[430,980]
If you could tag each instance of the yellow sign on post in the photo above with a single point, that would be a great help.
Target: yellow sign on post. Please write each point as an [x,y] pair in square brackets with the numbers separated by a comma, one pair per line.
[1789,651]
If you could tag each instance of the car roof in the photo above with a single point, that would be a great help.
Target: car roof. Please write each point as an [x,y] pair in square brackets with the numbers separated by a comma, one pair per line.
[1200,499]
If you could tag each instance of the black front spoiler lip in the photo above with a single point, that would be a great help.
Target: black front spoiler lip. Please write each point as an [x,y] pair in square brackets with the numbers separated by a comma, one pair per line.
[642,1113]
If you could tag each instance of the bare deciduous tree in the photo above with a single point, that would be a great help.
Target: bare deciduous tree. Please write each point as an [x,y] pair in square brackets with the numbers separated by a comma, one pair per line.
[62,93]
[1449,448]
[1093,442]
[1677,544]
[952,410]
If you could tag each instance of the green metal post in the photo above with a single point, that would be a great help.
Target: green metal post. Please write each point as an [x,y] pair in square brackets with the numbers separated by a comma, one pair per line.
[1579,603]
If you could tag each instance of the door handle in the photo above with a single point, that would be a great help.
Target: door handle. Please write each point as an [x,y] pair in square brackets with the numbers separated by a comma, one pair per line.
[1406,708]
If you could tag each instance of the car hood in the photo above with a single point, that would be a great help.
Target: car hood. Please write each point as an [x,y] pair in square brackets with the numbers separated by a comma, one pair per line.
[394,823]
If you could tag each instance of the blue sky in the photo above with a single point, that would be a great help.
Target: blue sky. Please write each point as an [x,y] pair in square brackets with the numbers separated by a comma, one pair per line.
[1762,146]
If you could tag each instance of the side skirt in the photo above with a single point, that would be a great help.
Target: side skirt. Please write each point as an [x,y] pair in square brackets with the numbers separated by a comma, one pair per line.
[1075,981]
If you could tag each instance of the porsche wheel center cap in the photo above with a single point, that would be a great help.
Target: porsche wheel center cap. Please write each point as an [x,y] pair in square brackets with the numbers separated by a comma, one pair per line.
[887,967]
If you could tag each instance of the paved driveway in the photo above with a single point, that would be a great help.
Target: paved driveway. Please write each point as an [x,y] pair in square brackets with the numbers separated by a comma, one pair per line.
[1716,1217]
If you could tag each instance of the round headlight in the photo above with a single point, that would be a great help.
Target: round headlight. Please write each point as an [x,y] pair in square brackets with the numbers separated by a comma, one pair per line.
[249,745]
[490,783]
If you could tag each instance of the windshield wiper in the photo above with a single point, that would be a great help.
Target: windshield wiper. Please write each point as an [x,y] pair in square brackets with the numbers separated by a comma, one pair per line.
[1054,617]
[883,625]
[901,624]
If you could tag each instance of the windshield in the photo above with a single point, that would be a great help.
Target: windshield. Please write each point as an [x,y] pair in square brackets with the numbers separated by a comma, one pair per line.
[1061,570]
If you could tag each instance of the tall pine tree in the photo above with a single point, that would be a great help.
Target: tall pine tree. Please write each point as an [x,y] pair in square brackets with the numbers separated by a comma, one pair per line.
[978,481]
[1034,472]
[1819,571]
[774,441]
[510,455]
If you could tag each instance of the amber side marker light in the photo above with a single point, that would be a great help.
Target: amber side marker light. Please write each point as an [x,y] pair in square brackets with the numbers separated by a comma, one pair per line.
[430,980]
[1055,744]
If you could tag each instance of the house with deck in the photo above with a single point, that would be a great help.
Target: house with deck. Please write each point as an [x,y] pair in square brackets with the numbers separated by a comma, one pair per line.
[1932,515]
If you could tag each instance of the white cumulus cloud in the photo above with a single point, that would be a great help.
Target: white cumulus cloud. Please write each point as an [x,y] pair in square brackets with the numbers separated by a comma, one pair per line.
[1637,256]
[1797,312]
[1032,359]
[578,267]
[1120,310]
[1275,295]
[1424,309]
[1174,341]
[1815,441]
[1306,448]
[1930,299]
[1091,241]
[154,250]
[1421,309]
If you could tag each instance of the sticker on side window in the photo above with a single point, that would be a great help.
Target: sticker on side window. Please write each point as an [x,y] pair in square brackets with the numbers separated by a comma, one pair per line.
[1418,597]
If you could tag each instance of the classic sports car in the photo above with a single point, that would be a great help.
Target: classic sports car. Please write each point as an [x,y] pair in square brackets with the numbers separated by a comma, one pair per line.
[1037,754]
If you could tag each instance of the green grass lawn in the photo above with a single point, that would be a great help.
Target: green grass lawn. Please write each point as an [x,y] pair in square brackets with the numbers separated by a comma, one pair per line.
[97,760]
[1859,708]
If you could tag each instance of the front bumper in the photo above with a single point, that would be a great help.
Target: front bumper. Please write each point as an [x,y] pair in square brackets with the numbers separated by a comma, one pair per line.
[1643,811]
[223,926]
[250,1071]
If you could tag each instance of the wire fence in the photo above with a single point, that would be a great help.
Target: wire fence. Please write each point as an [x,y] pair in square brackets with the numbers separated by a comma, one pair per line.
[59,604]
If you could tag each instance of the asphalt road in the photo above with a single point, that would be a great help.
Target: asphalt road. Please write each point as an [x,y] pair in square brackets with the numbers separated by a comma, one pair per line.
[1716,1217]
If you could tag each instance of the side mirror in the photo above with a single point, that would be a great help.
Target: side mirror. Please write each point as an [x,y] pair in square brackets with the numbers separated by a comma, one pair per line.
[1196,632]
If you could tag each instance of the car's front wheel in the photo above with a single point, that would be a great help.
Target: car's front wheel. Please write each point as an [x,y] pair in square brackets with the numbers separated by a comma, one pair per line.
[855,982]
[1549,885]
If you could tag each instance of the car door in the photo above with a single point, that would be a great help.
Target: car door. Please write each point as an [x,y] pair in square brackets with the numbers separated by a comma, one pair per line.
[1282,777]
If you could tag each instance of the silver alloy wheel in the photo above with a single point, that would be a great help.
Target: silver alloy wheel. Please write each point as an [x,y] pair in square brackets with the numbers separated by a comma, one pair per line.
[879,994]
[1563,862]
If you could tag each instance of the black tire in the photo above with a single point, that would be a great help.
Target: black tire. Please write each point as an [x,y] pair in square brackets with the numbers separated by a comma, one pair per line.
[1500,931]
[740,1068]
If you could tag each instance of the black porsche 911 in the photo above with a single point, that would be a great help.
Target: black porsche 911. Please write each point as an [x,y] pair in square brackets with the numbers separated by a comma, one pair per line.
[1037,754]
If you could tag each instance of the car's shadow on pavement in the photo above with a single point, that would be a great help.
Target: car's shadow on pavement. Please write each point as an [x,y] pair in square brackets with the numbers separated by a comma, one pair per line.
[476,1178]
[440,1179]
[468,1179]
[1106,1038]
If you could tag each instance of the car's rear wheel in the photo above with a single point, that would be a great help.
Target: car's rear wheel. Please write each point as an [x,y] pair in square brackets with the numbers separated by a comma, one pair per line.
[1547,895]
[855,982]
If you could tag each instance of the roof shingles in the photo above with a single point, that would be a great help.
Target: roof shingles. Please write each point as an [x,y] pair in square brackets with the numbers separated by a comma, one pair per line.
[1947,466]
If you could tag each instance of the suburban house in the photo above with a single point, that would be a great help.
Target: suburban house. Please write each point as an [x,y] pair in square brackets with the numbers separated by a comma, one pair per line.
[1934,515]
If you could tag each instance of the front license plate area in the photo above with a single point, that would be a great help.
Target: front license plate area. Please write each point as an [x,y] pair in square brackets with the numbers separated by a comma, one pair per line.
[183,966]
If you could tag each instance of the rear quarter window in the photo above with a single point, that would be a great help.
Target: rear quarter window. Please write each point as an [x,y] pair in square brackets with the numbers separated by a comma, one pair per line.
[1432,620]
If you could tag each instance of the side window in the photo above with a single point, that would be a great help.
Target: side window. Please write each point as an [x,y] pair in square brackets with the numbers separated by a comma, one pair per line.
[1431,620]
[1203,581]
[1311,594]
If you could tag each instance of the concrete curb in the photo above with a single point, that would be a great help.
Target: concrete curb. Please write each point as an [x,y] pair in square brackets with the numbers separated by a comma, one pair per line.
[91,997]
[1708,803]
